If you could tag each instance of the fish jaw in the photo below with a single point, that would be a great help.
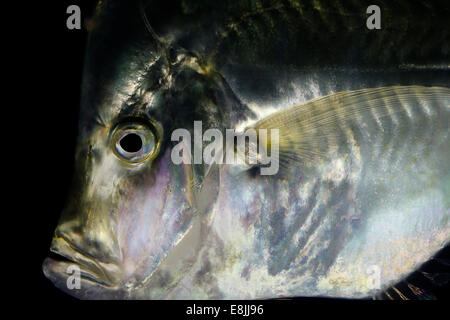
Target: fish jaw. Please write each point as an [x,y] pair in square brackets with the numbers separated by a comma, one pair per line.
[59,273]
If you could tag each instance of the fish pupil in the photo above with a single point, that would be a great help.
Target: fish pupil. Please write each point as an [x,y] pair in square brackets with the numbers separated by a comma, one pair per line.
[131,143]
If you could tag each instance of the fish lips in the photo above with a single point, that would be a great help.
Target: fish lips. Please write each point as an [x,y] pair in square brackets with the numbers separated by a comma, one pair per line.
[59,268]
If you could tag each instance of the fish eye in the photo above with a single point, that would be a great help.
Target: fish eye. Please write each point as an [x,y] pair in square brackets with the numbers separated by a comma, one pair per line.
[133,142]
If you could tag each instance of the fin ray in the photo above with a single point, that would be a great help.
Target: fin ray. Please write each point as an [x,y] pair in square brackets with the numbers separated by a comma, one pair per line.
[310,130]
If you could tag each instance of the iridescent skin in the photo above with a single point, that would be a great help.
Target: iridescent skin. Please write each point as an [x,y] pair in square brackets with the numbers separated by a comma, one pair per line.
[157,230]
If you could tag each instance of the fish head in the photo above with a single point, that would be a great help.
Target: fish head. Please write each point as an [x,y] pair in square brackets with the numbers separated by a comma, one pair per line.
[134,219]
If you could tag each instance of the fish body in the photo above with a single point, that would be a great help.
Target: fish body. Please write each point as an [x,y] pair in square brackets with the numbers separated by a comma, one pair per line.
[360,200]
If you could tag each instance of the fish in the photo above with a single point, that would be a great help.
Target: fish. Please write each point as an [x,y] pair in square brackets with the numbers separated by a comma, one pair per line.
[360,197]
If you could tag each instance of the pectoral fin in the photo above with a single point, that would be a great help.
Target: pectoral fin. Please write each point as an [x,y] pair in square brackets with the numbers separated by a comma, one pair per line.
[314,130]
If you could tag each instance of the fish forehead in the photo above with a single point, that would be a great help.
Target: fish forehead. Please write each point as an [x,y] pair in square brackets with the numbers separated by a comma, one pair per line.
[122,68]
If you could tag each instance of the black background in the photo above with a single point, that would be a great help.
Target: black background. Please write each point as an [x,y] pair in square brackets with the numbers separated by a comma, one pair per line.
[58,57]
[50,96]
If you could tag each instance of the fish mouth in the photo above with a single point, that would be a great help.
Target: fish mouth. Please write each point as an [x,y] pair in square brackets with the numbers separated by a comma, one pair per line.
[55,262]
[63,259]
